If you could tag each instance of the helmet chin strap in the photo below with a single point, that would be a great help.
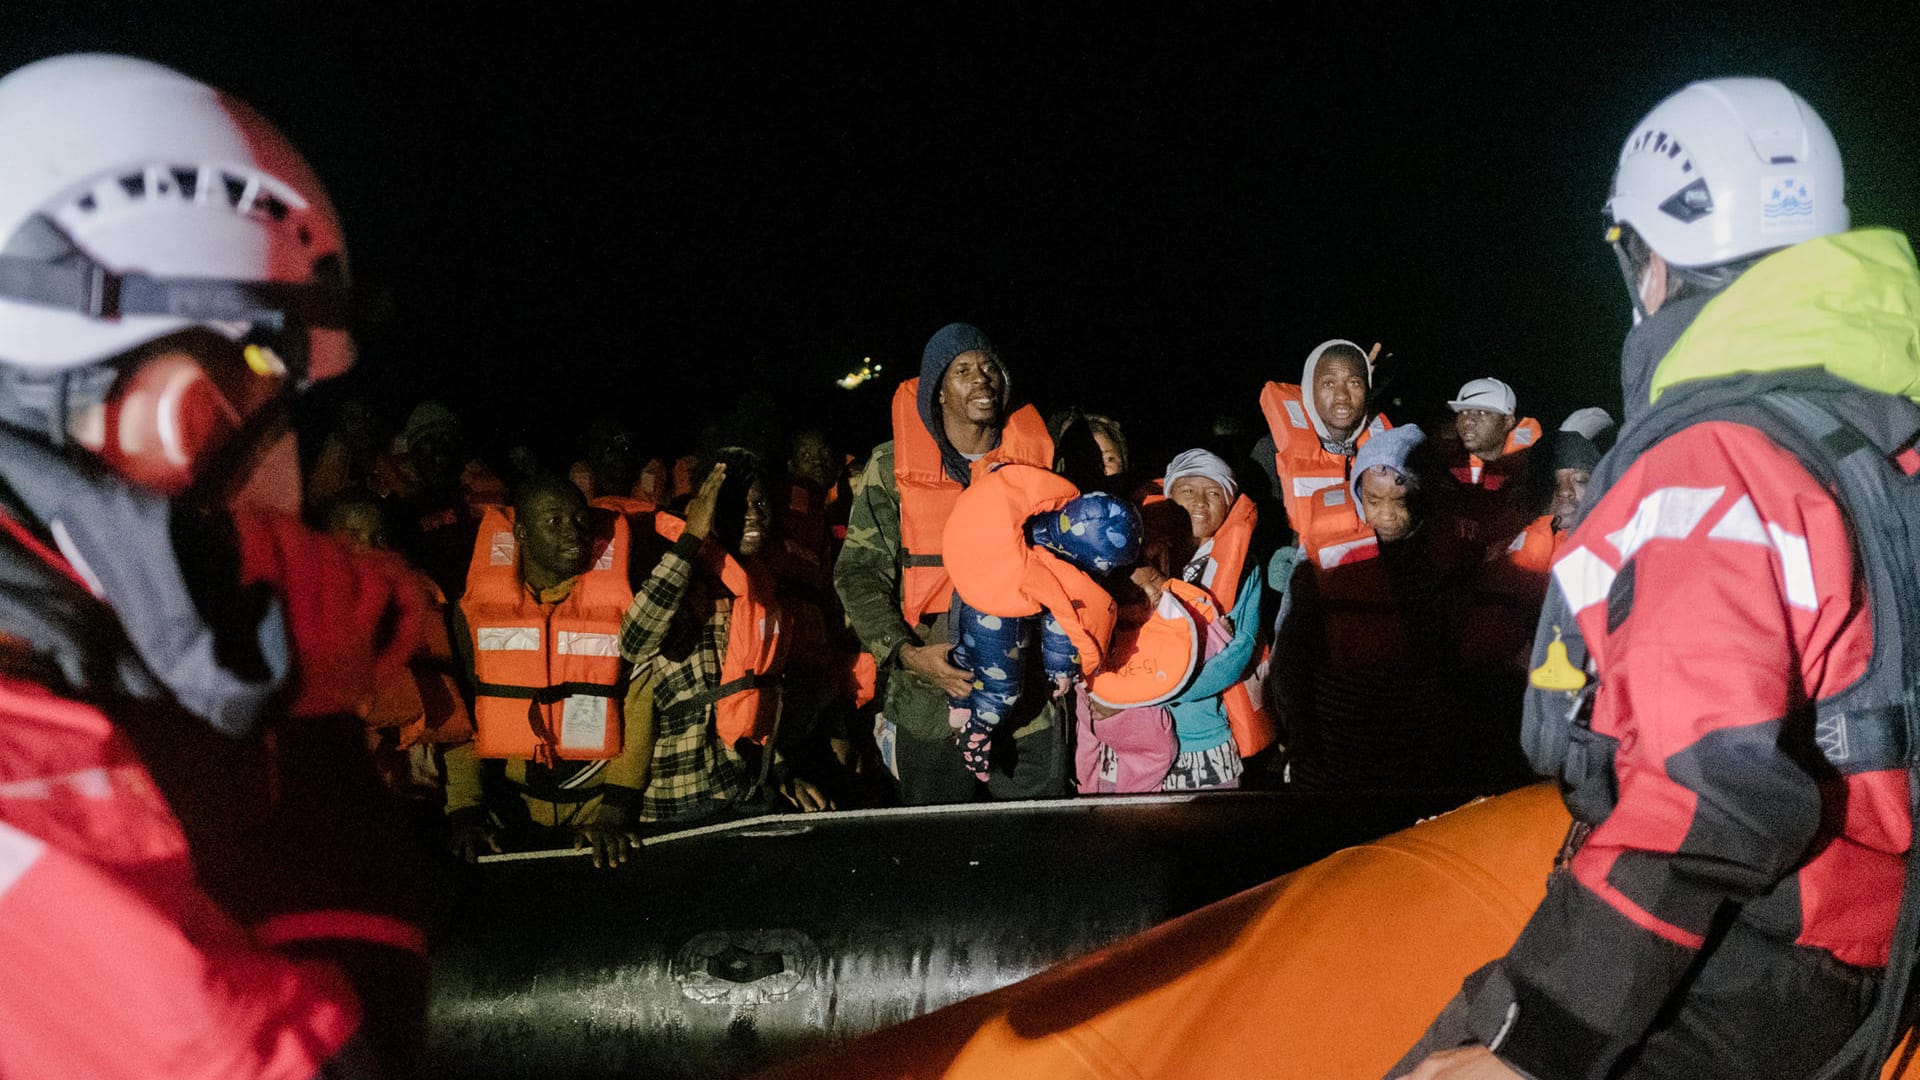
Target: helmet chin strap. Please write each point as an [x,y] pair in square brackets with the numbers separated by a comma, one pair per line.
[1680,279]
[1635,278]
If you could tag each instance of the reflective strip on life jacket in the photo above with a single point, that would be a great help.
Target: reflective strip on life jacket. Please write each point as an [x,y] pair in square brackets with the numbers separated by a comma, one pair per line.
[549,677]
[507,638]
[1350,552]
[927,493]
[587,643]
[1303,486]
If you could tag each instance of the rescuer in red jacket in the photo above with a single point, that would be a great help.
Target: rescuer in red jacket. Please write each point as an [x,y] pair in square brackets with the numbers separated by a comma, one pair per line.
[199,873]
[1732,911]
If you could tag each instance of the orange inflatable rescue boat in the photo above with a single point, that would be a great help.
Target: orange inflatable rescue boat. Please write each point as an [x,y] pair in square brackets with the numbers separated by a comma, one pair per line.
[1331,972]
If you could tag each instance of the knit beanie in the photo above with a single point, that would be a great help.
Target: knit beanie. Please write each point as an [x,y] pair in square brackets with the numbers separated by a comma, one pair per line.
[946,343]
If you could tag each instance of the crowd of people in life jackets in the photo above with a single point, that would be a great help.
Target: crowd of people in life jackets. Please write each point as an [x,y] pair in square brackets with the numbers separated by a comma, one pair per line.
[989,604]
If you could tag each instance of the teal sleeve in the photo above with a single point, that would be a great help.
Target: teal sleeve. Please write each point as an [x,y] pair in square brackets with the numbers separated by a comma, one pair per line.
[1230,665]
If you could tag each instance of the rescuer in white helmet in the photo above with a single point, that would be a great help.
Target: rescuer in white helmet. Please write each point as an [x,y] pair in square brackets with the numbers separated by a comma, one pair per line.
[196,873]
[1721,674]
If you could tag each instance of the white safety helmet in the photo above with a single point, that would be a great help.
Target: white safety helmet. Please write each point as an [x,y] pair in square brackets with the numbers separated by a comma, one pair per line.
[136,202]
[1727,169]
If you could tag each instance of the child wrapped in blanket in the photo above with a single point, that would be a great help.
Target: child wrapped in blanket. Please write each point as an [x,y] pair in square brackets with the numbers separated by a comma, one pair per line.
[1024,549]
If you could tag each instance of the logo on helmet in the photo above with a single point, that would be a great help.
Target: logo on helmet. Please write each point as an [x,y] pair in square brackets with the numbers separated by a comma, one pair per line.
[1786,204]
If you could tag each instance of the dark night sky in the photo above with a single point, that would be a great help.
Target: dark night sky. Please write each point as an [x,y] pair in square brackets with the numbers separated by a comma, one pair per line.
[651,213]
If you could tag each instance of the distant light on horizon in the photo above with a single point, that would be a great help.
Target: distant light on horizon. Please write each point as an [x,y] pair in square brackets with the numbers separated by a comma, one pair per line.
[859,376]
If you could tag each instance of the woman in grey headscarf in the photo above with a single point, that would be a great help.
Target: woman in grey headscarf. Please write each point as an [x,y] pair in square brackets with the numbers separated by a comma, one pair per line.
[1218,718]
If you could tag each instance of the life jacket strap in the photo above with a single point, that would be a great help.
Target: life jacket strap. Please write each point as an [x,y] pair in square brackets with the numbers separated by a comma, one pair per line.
[752,680]
[575,790]
[537,696]
[547,695]
[433,665]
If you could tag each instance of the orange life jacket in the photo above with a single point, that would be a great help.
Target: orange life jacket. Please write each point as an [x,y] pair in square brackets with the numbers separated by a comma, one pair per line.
[1475,471]
[747,701]
[997,572]
[550,677]
[806,540]
[1316,482]
[1253,727]
[625,505]
[927,493]
[1532,551]
[1157,652]
[423,700]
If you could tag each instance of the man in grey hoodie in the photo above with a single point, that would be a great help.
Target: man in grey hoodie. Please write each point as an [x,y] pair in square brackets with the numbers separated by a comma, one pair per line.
[1316,427]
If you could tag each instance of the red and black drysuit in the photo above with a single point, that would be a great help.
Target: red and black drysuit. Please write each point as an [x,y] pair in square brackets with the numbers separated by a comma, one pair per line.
[1735,901]
[199,874]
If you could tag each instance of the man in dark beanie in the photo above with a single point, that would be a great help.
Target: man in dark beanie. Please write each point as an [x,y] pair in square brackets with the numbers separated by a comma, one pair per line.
[952,419]
[1574,459]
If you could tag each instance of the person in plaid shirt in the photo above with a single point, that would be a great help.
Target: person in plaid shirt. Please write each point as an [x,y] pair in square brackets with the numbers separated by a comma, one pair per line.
[676,636]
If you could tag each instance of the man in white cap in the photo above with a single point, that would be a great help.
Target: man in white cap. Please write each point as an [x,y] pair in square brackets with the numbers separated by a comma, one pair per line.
[1489,429]
[1722,679]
